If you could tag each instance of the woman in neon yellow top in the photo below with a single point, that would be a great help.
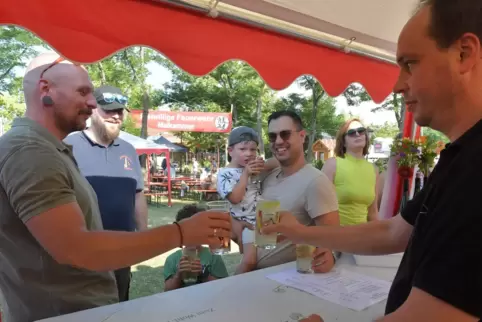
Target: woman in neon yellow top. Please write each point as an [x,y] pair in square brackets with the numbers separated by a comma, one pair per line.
[355,178]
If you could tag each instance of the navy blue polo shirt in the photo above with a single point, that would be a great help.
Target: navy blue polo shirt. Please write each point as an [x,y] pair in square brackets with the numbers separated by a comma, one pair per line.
[115,174]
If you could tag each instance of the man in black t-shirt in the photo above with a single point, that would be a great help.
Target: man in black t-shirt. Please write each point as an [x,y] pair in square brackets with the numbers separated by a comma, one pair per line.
[440,230]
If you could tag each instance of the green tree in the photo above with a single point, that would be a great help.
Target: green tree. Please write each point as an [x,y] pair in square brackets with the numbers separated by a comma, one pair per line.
[356,94]
[435,135]
[317,111]
[395,104]
[17,47]
[386,130]
[233,87]
[10,107]
[130,126]
[128,71]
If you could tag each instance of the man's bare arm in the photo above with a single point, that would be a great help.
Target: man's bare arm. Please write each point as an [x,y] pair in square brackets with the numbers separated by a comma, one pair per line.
[373,238]
[422,307]
[63,234]
[141,211]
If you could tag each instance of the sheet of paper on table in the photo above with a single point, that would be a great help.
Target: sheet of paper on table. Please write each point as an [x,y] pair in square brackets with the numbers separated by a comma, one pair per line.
[343,287]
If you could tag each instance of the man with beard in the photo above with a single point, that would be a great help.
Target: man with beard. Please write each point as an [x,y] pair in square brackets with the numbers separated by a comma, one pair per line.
[55,257]
[300,187]
[112,167]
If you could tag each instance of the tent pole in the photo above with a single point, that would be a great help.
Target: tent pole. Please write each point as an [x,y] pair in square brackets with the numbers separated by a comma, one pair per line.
[169,203]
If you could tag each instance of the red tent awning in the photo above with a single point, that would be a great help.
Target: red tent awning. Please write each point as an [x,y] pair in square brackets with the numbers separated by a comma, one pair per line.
[90,30]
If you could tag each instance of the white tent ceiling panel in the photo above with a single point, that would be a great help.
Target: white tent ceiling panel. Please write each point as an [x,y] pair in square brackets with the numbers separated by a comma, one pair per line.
[374,24]
[381,19]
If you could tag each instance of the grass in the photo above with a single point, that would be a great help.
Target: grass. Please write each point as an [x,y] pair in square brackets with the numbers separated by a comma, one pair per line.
[147,277]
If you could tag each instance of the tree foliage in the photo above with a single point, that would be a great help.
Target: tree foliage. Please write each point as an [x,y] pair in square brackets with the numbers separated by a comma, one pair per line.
[17,47]
[232,87]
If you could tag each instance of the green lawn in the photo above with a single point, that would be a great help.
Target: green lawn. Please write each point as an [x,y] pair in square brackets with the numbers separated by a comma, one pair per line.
[147,277]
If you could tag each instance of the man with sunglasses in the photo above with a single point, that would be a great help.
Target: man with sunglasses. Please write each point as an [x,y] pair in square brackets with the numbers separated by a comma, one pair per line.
[55,256]
[112,167]
[301,188]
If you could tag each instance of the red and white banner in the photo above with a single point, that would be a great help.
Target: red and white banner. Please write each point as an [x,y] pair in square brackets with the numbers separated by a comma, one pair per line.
[185,121]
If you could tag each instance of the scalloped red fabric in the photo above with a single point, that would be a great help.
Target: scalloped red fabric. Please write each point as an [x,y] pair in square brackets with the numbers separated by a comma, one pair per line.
[90,30]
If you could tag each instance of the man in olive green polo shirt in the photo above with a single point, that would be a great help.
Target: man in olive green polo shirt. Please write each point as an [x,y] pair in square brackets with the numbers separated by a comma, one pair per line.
[55,257]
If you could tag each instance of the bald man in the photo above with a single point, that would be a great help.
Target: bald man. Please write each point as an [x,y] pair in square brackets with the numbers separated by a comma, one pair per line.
[55,257]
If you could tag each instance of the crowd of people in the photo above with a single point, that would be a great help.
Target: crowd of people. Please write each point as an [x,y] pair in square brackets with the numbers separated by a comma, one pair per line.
[73,217]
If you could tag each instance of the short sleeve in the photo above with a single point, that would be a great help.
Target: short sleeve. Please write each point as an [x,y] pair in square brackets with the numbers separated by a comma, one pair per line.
[321,197]
[36,179]
[138,170]
[451,267]
[226,181]
[170,266]
[218,268]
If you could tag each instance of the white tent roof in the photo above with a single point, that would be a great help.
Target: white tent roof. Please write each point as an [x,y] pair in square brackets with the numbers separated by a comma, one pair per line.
[373,24]
[142,145]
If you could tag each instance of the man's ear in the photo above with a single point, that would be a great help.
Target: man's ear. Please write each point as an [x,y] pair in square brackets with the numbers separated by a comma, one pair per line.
[469,47]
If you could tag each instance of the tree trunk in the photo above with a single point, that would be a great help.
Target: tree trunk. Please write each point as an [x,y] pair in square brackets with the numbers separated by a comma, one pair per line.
[234,114]
[145,100]
[314,113]
[102,74]
[399,109]
[226,143]
[146,105]
[145,113]
[259,106]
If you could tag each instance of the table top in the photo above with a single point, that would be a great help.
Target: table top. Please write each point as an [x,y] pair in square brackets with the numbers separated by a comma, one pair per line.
[241,298]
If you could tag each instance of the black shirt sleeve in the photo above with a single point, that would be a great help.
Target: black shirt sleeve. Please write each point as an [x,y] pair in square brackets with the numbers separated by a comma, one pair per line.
[451,268]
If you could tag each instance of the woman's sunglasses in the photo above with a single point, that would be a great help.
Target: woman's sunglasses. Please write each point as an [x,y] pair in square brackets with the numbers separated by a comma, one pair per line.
[355,132]
[109,98]
[284,135]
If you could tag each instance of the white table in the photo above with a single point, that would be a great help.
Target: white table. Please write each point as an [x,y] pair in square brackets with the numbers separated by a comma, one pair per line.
[249,297]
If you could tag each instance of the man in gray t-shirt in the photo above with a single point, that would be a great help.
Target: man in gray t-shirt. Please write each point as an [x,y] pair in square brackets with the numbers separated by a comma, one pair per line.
[301,189]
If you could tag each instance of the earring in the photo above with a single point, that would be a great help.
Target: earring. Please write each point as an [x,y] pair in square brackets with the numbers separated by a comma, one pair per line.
[47,100]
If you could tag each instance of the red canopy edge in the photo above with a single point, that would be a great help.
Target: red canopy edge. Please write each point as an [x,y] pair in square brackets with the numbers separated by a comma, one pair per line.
[90,30]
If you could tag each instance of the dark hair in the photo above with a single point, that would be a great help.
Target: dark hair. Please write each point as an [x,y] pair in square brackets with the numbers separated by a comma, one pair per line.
[340,149]
[291,114]
[450,19]
[188,211]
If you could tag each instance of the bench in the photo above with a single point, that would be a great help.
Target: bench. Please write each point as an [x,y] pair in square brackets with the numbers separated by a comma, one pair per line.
[209,194]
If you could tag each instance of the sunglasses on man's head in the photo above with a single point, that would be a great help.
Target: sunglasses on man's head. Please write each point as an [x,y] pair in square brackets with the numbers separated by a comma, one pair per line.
[109,98]
[284,135]
[354,132]
[56,62]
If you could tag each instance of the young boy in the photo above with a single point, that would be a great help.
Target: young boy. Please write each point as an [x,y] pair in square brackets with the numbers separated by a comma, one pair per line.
[237,184]
[209,267]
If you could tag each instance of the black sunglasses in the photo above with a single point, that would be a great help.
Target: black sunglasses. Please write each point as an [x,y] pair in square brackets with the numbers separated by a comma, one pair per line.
[284,135]
[354,132]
